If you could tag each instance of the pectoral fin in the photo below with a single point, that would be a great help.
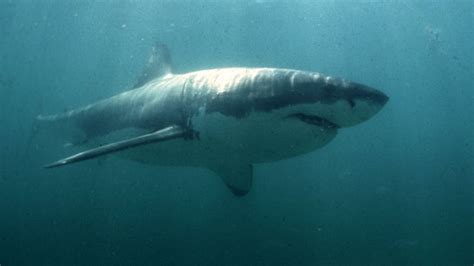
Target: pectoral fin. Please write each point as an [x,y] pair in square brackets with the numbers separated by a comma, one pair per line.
[237,177]
[165,134]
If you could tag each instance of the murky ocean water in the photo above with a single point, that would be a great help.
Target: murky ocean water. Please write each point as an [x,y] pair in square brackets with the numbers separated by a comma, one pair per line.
[395,190]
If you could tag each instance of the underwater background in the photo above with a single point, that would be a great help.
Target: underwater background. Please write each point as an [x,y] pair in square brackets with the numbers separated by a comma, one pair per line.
[396,190]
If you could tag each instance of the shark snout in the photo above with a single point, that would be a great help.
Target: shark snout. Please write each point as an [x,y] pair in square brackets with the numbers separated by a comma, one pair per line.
[385,98]
[365,102]
[367,94]
[358,103]
[379,97]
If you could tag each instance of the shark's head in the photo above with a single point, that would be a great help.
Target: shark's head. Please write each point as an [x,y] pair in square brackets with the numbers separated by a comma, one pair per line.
[308,96]
[283,113]
[322,100]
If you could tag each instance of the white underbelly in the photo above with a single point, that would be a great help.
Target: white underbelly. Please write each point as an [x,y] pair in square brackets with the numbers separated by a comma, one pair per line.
[257,138]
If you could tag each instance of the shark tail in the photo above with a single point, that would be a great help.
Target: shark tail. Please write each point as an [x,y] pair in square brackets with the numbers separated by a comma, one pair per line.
[63,126]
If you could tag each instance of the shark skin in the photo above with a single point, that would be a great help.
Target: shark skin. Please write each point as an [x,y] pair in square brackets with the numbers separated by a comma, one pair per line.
[224,119]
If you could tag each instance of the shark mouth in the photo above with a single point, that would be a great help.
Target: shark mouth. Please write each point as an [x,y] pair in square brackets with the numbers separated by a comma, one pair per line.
[314,120]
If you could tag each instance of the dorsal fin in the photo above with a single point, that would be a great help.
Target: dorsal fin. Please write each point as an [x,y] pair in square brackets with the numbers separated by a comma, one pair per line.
[159,64]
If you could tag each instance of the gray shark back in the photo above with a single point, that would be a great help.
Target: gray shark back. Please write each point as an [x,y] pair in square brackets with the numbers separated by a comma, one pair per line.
[230,91]
[153,106]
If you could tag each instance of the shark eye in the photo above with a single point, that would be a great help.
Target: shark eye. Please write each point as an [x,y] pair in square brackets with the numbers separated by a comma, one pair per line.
[351,103]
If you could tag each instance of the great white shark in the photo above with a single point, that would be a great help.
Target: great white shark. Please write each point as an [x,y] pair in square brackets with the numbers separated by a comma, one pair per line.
[224,119]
